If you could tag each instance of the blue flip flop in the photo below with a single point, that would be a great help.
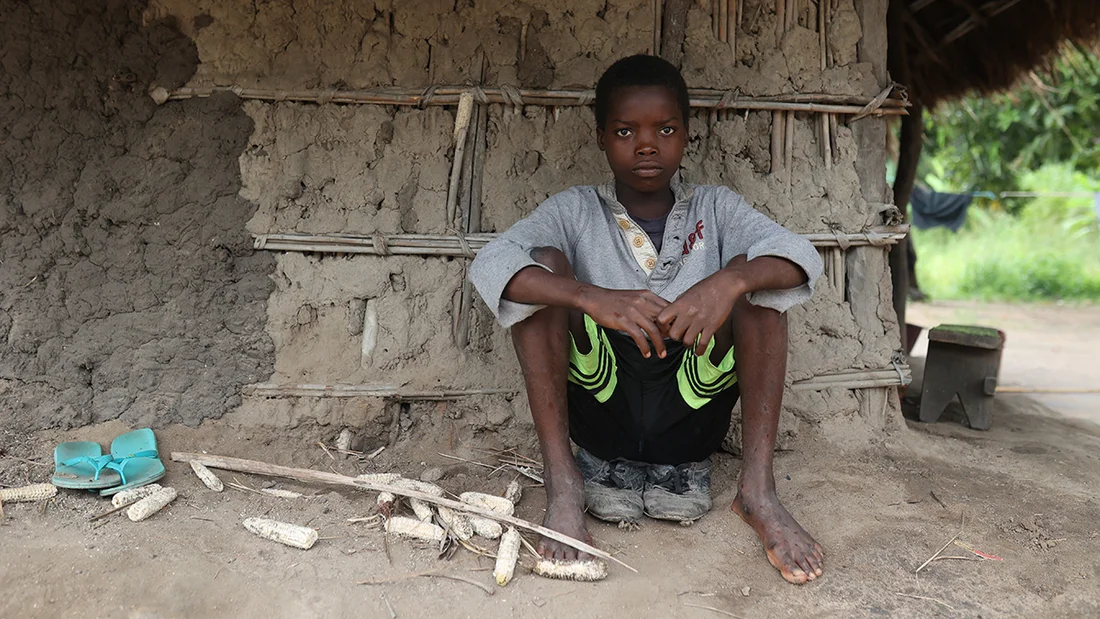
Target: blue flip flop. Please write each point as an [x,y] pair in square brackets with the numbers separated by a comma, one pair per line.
[81,465]
[134,455]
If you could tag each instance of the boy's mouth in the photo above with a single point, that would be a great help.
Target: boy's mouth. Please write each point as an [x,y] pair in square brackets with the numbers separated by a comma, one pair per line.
[648,170]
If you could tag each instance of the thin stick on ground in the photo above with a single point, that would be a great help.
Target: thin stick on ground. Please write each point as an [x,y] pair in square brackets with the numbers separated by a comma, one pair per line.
[947,557]
[922,597]
[428,574]
[711,608]
[465,460]
[327,452]
[529,547]
[309,475]
[933,557]
[112,512]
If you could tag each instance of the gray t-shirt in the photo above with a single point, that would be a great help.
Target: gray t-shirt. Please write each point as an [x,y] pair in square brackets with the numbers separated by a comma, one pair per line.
[707,227]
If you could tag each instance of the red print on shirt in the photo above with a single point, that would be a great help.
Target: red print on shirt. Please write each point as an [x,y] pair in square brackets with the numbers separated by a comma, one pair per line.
[689,244]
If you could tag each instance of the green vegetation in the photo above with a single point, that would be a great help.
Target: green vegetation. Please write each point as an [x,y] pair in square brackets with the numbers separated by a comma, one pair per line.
[1041,137]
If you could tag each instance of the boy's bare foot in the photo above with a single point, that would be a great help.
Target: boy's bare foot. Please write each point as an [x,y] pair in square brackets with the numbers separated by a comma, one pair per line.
[790,548]
[564,514]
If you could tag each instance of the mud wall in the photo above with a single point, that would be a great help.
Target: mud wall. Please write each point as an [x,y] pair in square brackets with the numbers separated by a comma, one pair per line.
[363,169]
[128,286]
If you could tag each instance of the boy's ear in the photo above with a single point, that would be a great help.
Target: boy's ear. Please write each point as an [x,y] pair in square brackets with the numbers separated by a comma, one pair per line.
[599,137]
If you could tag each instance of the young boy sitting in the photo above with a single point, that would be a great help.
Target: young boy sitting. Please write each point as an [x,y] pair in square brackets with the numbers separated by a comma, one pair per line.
[627,302]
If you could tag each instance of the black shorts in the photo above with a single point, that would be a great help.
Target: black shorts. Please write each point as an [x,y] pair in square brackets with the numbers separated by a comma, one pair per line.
[661,411]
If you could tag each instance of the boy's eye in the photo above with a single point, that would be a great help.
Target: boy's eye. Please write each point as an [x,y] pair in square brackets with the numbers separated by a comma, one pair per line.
[622,133]
[667,130]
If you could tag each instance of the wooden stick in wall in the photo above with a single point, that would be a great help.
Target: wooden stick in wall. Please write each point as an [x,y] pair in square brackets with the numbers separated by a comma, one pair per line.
[723,20]
[658,15]
[832,137]
[733,21]
[462,126]
[473,225]
[788,147]
[780,21]
[777,140]
[714,19]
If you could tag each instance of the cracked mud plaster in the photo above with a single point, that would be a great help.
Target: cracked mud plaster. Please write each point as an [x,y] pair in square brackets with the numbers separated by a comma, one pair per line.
[128,287]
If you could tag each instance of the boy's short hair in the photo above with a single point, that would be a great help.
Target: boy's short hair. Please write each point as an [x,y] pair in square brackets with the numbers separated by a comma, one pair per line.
[639,70]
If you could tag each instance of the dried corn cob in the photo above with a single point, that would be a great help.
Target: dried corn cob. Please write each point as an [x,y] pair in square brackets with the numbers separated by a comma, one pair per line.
[414,529]
[33,492]
[419,486]
[489,529]
[507,555]
[209,479]
[379,478]
[498,504]
[151,504]
[282,494]
[132,495]
[282,532]
[459,524]
[585,571]
[514,492]
[421,509]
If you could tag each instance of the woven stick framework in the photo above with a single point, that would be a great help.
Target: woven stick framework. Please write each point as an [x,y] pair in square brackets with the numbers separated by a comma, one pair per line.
[467,245]
[847,379]
[451,95]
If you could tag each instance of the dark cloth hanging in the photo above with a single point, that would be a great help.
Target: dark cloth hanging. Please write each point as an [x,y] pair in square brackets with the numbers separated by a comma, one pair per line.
[932,208]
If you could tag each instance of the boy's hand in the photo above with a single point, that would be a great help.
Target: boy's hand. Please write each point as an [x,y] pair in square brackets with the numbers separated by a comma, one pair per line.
[701,310]
[633,312]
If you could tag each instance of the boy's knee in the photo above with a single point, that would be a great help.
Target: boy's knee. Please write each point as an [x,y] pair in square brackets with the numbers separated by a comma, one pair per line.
[553,258]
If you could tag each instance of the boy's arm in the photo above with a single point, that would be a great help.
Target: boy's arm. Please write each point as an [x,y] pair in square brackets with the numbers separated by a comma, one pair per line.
[631,311]
[775,267]
[704,307]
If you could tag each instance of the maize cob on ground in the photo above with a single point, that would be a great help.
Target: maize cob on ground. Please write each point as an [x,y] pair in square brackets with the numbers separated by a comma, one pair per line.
[507,555]
[379,478]
[415,529]
[282,532]
[133,494]
[489,529]
[492,502]
[207,477]
[33,492]
[584,571]
[459,524]
[514,492]
[421,509]
[151,504]
[419,486]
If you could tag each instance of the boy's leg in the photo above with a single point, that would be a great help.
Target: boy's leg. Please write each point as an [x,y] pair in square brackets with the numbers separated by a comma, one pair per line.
[760,340]
[542,346]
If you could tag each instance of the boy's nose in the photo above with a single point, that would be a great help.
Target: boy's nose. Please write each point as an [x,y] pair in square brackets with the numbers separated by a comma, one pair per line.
[645,150]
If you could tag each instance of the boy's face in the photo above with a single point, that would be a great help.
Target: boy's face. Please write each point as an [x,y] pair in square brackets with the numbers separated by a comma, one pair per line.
[643,137]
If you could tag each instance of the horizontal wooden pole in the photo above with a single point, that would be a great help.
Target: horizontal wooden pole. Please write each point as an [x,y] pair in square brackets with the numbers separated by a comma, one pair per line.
[849,379]
[856,379]
[451,245]
[273,390]
[450,95]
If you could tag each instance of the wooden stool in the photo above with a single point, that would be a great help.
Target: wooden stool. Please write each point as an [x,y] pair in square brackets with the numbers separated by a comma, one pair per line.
[964,361]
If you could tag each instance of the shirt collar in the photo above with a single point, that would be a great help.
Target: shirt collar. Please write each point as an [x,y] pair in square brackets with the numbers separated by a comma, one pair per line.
[681,193]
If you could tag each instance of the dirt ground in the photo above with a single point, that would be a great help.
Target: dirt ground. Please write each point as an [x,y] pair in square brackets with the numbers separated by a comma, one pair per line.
[1024,491]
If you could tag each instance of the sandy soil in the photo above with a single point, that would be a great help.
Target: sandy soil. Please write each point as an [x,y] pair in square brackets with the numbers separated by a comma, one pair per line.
[1024,491]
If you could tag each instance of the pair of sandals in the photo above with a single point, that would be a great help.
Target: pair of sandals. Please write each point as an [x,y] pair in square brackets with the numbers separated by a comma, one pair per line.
[133,461]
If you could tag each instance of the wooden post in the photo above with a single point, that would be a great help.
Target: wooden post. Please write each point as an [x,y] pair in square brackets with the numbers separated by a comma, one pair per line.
[673,30]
